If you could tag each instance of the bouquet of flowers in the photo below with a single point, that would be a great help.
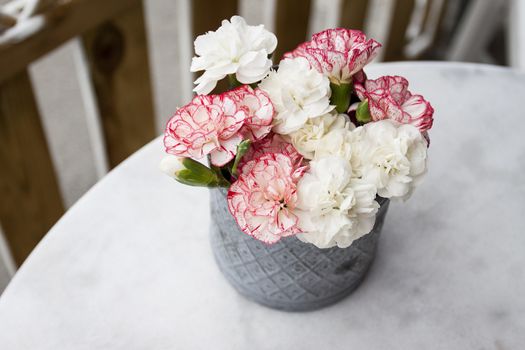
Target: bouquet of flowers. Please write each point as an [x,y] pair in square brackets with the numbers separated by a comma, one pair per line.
[305,148]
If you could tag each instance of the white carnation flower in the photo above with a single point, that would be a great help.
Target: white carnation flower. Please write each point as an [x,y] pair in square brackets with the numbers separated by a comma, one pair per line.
[327,135]
[391,156]
[334,208]
[234,48]
[298,93]
[337,142]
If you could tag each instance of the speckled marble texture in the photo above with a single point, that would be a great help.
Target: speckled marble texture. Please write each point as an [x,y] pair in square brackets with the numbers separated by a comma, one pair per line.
[130,265]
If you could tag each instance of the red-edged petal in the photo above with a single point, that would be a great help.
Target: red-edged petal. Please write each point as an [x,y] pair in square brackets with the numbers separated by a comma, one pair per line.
[389,98]
[263,197]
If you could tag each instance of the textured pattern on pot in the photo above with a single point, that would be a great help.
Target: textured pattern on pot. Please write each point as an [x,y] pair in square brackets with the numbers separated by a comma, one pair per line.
[288,275]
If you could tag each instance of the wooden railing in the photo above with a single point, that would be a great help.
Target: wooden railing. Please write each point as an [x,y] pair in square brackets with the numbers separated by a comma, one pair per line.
[113,37]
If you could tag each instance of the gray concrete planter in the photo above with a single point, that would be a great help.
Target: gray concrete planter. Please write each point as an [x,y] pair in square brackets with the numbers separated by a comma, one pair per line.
[289,275]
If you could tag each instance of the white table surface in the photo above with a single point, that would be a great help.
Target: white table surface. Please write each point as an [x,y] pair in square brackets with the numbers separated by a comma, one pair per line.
[130,266]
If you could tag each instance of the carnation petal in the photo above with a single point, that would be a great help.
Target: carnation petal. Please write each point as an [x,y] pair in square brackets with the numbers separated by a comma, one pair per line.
[221,156]
[234,48]
[331,204]
[253,66]
[262,199]
[205,87]
[389,98]
[207,125]
[338,53]
[297,93]
[390,156]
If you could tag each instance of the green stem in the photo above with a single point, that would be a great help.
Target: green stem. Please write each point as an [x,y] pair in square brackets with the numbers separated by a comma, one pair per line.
[221,180]
[341,94]
[232,80]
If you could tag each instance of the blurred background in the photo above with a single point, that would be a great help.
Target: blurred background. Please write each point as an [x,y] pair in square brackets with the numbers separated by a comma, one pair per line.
[85,83]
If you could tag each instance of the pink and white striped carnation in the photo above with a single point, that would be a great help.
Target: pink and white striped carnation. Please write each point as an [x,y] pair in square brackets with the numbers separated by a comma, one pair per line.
[259,111]
[263,198]
[389,98]
[216,124]
[273,143]
[207,125]
[337,53]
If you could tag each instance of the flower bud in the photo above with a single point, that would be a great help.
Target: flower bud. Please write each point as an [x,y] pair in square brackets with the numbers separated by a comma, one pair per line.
[242,148]
[171,165]
[190,172]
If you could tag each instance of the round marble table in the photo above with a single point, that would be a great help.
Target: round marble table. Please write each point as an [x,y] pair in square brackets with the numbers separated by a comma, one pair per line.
[130,266]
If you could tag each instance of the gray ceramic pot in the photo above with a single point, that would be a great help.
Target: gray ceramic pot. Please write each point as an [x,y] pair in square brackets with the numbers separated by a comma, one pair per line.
[288,275]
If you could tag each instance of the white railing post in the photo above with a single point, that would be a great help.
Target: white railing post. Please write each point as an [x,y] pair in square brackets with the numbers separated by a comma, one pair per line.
[94,127]
[378,22]
[475,30]
[516,34]
[7,264]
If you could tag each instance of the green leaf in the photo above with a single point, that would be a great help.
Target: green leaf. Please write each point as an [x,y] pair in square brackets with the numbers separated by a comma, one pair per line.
[197,174]
[188,177]
[196,167]
[362,113]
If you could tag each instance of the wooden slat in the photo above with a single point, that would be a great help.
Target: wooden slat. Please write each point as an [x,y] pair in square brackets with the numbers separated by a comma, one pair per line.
[30,201]
[353,14]
[206,16]
[291,25]
[117,53]
[393,50]
[64,22]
